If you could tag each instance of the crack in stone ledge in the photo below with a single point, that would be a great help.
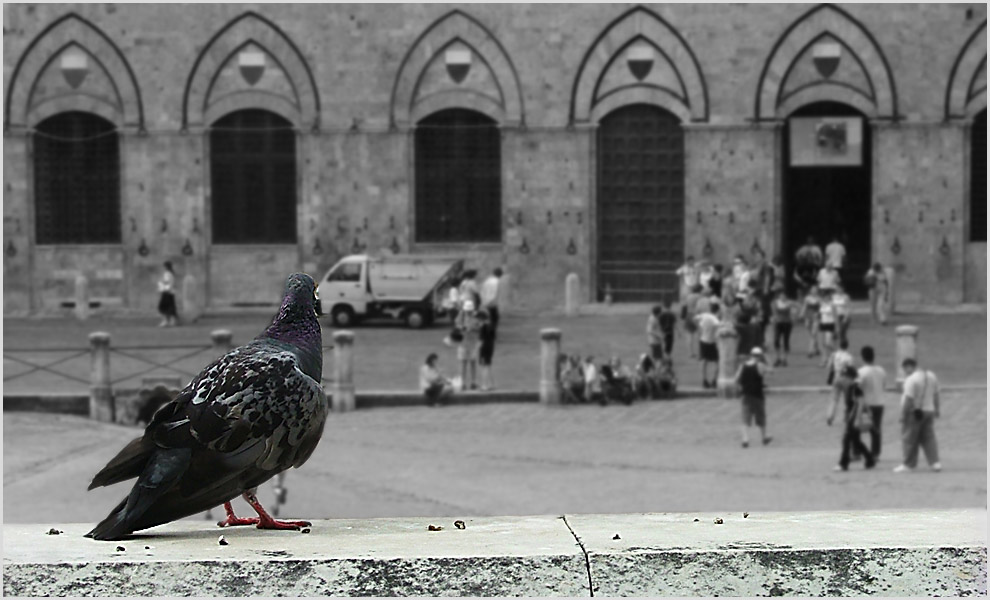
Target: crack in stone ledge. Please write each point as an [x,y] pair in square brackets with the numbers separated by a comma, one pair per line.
[587,559]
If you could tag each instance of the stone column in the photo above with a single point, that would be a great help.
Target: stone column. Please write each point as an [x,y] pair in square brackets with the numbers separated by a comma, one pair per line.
[549,366]
[222,341]
[727,340]
[572,291]
[342,388]
[192,305]
[907,347]
[101,405]
[82,297]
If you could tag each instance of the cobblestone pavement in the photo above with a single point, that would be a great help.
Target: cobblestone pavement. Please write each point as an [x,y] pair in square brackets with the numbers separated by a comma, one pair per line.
[388,356]
[509,459]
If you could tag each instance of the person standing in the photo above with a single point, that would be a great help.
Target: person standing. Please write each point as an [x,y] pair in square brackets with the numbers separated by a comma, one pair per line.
[490,297]
[810,307]
[843,318]
[715,283]
[783,319]
[687,275]
[668,324]
[707,324]
[467,352]
[879,287]
[689,310]
[468,290]
[751,381]
[486,349]
[872,379]
[826,325]
[920,406]
[654,334]
[849,391]
[835,254]
[828,279]
[166,301]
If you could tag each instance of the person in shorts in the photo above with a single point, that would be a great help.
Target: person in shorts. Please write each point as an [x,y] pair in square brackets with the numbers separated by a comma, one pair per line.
[707,325]
[751,382]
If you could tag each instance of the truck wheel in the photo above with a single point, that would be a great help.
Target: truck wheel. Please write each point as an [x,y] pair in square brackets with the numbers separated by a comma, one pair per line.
[415,318]
[343,316]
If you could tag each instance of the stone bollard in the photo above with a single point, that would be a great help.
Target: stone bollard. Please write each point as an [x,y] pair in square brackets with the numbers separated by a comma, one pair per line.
[222,341]
[907,347]
[101,405]
[572,290]
[549,366]
[82,297]
[890,305]
[342,388]
[727,339]
[192,306]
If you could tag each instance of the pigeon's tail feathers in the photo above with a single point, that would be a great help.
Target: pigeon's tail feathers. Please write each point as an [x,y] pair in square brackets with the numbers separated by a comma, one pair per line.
[112,527]
[128,464]
[162,472]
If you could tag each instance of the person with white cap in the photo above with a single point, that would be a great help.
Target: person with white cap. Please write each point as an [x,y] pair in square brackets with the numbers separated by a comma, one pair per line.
[750,379]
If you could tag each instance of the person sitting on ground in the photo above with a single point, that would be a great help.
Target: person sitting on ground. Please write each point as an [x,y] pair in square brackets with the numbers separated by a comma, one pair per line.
[592,381]
[616,382]
[644,379]
[666,379]
[432,383]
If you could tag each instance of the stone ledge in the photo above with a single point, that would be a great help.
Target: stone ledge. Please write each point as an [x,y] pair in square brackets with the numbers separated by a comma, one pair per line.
[890,553]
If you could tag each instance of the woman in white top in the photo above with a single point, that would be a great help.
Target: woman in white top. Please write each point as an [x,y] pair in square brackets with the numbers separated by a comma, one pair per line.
[166,302]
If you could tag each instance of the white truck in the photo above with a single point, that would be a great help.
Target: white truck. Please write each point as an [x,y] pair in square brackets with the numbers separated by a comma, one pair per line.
[406,287]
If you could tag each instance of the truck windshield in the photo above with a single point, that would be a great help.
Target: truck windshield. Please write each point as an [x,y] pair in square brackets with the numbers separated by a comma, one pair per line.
[346,272]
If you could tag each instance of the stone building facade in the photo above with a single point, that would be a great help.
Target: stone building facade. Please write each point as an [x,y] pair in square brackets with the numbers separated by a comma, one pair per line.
[695,104]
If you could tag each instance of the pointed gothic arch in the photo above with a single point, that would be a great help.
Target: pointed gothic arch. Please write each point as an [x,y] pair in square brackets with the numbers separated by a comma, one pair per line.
[407,105]
[121,103]
[686,97]
[299,102]
[826,20]
[966,91]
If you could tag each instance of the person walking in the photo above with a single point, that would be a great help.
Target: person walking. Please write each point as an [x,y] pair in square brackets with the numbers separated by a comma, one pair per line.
[826,325]
[920,406]
[850,392]
[432,383]
[872,379]
[878,287]
[166,301]
[490,297]
[751,381]
[843,318]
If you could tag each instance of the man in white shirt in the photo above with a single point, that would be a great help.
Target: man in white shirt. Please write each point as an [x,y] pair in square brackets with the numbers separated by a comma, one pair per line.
[919,409]
[872,379]
[835,254]
[489,297]
[707,328]
[688,274]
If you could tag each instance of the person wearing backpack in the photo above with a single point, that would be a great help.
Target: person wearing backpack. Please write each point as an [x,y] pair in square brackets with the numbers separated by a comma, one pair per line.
[855,404]
[750,379]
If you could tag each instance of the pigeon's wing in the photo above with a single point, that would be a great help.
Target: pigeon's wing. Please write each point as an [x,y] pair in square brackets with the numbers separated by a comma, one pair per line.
[248,416]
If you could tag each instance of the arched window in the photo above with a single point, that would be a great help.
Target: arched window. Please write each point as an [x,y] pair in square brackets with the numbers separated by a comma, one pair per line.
[253,178]
[458,178]
[978,180]
[76,180]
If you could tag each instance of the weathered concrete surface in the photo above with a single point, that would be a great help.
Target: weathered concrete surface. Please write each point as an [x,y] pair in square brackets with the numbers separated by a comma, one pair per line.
[514,556]
[857,553]
[889,553]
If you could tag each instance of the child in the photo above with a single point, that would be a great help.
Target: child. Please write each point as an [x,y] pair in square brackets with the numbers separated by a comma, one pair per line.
[433,384]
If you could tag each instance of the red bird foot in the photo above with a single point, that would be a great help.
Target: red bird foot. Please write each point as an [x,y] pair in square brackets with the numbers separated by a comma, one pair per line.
[263,520]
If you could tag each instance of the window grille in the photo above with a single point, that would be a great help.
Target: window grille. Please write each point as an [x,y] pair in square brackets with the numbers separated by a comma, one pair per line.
[253,179]
[458,178]
[76,180]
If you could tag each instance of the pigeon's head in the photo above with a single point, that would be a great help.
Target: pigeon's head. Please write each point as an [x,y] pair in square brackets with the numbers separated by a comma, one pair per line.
[300,289]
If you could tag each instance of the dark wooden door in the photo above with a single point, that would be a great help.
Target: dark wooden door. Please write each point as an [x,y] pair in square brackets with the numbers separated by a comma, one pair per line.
[640,203]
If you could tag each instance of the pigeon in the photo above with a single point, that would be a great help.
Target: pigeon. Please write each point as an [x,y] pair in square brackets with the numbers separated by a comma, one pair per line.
[251,414]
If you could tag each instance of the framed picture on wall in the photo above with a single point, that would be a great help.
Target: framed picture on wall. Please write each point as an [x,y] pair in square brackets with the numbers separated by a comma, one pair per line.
[826,141]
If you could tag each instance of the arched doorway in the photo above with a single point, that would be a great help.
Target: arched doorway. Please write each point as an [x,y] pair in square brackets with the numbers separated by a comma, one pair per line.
[828,185]
[640,204]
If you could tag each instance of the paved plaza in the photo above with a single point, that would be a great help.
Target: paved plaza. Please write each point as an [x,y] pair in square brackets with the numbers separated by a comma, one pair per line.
[516,459]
